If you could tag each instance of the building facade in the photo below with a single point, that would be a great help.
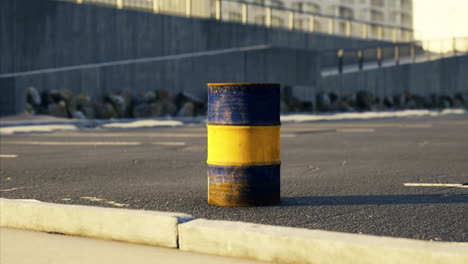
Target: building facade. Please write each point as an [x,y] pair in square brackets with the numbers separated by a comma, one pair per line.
[372,13]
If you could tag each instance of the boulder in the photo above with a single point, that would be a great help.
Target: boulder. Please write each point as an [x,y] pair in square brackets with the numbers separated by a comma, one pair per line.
[58,109]
[33,97]
[364,100]
[143,111]
[188,109]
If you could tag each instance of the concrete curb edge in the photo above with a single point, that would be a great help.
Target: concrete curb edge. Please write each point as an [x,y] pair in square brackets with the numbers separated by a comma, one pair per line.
[225,238]
[135,226]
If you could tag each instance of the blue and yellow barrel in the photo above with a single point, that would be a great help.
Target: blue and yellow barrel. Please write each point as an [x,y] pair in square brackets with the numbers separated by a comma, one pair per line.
[243,144]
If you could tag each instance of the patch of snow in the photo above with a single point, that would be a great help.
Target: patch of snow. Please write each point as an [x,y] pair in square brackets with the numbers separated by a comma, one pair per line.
[36,128]
[370,115]
[144,123]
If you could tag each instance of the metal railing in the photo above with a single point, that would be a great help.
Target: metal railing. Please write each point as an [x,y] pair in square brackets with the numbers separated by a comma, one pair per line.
[340,60]
[246,12]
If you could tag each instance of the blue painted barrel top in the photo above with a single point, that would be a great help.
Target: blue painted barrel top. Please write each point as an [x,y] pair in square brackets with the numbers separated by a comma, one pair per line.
[244,104]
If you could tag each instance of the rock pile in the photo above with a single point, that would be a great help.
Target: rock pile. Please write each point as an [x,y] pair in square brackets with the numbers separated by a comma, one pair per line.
[127,104]
[160,103]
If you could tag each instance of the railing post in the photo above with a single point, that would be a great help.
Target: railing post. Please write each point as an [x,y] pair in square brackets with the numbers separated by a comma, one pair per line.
[218,9]
[379,57]
[291,20]
[427,50]
[454,46]
[413,53]
[348,28]
[245,13]
[268,12]
[156,8]
[340,55]
[188,8]
[331,26]
[311,23]
[360,55]
[397,55]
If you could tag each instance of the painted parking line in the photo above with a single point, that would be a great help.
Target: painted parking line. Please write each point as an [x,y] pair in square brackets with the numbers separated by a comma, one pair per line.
[130,134]
[146,135]
[355,130]
[169,143]
[37,128]
[17,188]
[95,143]
[8,156]
[453,185]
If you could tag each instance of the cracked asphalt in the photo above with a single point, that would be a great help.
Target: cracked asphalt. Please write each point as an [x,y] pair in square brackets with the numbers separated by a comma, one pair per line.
[344,176]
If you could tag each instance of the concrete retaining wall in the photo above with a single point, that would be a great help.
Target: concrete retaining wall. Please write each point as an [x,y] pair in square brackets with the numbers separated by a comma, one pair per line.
[48,34]
[12,98]
[188,73]
[441,77]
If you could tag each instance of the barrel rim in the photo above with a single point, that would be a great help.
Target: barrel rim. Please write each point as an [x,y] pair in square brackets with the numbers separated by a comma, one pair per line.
[242,84]
[246,124]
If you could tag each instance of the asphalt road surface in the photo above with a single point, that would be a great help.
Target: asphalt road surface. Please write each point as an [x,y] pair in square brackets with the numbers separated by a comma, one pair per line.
[342,176]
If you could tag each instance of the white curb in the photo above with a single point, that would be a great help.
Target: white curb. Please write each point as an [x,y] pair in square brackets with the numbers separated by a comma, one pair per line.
[135,226]
[296,245]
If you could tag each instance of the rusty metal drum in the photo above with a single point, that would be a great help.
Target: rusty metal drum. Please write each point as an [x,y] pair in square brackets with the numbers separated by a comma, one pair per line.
[243,144]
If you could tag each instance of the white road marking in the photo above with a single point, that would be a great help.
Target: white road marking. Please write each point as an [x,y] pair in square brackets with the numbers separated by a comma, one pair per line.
[146,135]
[455,185]
[355,130]
[96,143]
[169,143]
[144,123]
[38,128]
[417,125]
[17,188]
[8,156]
[130,134]
[9,190]
[370,115]
[102,200]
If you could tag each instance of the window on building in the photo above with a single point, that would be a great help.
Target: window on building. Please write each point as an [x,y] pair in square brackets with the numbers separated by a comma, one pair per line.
[260,20]
[346,12]
[331,11]
[347,2]
[377,16]
[377,3]
[392,3]
[310,7]
[234,16]
[407,20]
[406,4]
[394,17]
[277,21]
[296,6]
[299,24]
[276,3]
[363,14]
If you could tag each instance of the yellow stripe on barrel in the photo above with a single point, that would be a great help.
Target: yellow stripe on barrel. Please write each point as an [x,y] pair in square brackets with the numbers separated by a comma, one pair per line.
[244,145]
